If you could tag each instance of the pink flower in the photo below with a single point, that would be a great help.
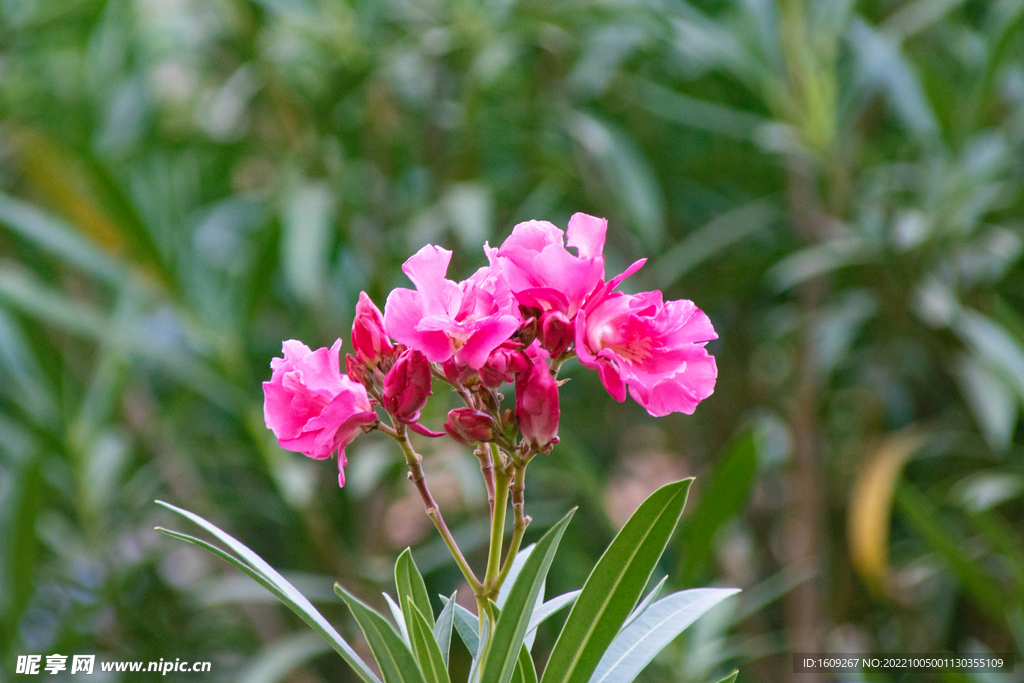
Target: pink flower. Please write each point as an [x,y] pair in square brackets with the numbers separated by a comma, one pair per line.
[542,273]
[407,386]
[311,407]
[655,348]
[468,426]
[537,402]
[444,319]
[369,338]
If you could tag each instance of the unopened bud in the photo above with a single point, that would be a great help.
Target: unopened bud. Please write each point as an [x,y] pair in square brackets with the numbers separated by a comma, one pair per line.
[369,338]
[468,426]
[502,365]
[556,332]
[357,371]
[407,386]
[537,405]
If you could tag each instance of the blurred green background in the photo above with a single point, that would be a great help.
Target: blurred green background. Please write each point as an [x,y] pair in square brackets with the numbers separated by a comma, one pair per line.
[186,183]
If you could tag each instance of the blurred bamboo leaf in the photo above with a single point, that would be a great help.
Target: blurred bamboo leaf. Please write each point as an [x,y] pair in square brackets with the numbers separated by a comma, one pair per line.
[307,218]
[925,519]
[276,662]
[626,172]
[870,511]
[709,240]
[722,495]
[51,234]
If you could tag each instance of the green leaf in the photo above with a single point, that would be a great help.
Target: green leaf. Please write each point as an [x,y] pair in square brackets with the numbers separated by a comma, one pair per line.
[443,627]
[396,662]
[637,644]
[410,585]
[428,654]
[467,625]
[614,586]
[253,565]
[645,603]
[723,495]
[545,610]
[277,660]
[60,239]
[399,616]
[525,671]
[515,617]
[517,566]
[550,607]
[731,678]
[951,547]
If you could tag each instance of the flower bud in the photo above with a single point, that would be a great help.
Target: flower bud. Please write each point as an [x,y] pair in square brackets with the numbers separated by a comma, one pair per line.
[537,405]
[467,426]
[357,371]
[502,365]
[556,332]
[457,373]
[407,386]
[369,338]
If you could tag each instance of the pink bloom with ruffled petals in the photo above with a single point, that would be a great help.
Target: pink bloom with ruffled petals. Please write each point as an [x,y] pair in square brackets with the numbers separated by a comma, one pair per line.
[654,347]
[313,408]
[542,273]
[445,319]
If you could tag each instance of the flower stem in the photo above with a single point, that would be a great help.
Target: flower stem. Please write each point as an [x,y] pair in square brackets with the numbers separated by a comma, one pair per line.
[520,520]
[487,470]
[415,462]
[556,363]
[501,491]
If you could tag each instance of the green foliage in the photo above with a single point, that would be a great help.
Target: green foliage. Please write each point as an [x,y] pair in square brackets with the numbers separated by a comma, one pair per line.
[503,656]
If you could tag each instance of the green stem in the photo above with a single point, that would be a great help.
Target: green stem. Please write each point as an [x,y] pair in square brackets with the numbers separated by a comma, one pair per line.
[521,521]
[556,364]
[415,462]
[501,491]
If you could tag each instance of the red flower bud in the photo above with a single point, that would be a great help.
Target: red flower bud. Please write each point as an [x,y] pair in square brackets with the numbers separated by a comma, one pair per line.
[503,364]
[556,332]
[537,404]
[369,338]
[467,426]
[407,386]
[457,373]
[358,371]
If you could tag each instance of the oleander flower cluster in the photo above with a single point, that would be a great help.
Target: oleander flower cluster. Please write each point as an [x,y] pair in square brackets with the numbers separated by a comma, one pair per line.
[516,320]
[542,299]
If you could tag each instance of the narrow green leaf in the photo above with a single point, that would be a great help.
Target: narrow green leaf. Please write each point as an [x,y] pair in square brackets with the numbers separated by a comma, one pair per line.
[399,616]
[926,520]
[545,610]
[510,630]
[467,625]
[614,586]
[550,607]
[409,583]
[722,496]
[57,237]
[517,566]
[276,661]
[645,603]
[637,644]
[396,662]
[731,678]
[253,565]
[428,654]
[525,671]
[443,627]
